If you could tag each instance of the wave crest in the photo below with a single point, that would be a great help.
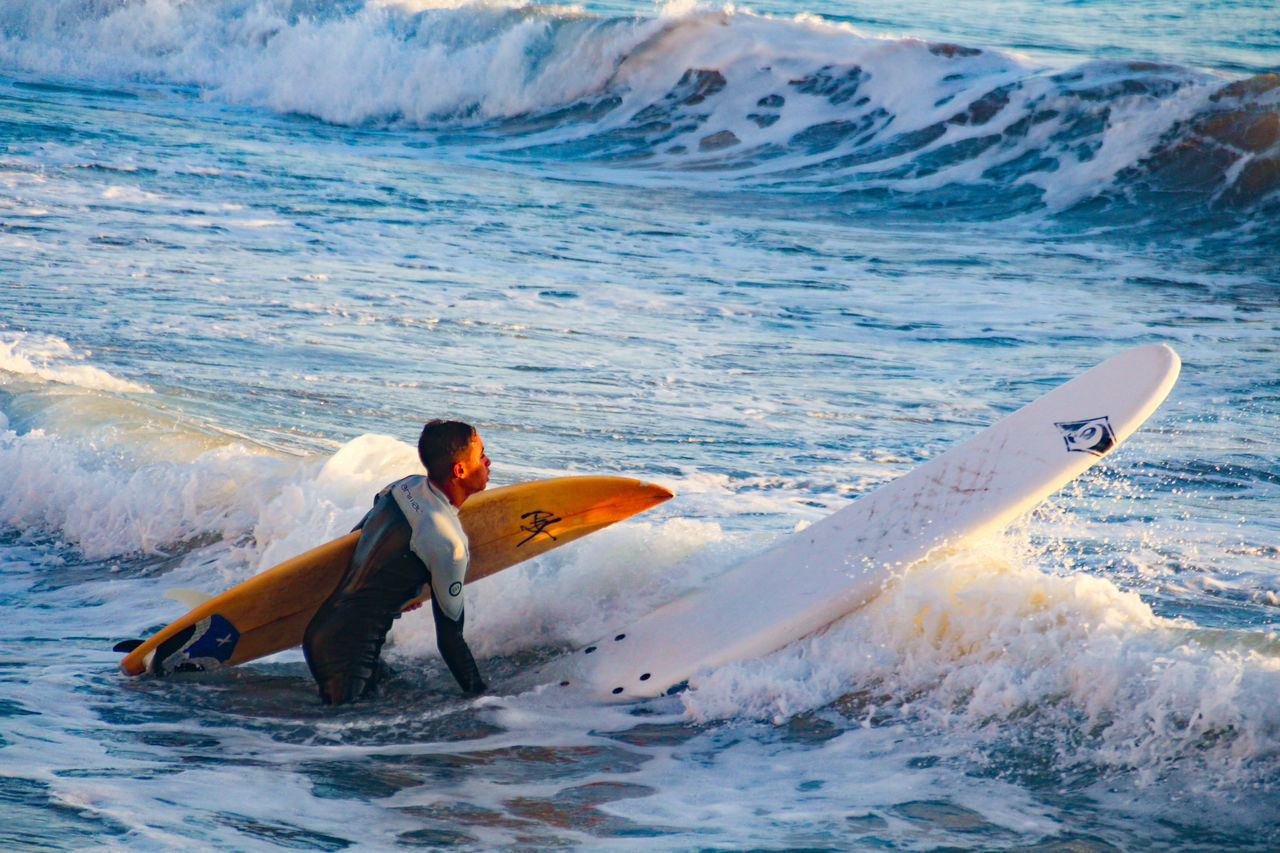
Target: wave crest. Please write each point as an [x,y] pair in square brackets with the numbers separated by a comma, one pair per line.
[717,99]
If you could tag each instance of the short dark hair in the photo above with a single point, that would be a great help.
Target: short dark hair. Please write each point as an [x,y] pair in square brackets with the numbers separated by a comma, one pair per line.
[440,445]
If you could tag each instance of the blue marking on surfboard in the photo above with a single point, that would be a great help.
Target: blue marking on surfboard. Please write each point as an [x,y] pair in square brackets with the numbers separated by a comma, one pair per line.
[208,644]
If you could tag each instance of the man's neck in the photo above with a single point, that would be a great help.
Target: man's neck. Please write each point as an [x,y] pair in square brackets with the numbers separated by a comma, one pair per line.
[452,491]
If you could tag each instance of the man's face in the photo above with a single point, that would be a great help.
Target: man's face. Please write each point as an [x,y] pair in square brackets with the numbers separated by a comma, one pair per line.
[472,467]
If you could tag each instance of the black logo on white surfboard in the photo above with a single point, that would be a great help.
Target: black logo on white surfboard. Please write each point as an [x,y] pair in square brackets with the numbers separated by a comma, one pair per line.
[1093,435]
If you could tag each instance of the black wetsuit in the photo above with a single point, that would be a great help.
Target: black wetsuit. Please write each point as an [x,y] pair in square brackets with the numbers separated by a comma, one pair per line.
[344,639]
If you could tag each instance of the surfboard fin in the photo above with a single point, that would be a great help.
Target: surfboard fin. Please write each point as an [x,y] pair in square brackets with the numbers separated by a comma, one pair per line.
[192,598]
[126,646]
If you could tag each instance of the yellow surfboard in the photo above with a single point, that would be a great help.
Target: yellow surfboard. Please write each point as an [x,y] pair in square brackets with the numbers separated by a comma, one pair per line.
[269,612]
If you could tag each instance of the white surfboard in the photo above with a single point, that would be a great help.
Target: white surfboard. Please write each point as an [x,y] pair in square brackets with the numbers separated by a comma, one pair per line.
[838,564]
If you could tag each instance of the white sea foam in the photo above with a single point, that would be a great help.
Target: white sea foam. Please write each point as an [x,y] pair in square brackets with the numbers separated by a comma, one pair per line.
[384,61]
[54,360]
[112,476]
[328,497]
[64,486]
[985,638]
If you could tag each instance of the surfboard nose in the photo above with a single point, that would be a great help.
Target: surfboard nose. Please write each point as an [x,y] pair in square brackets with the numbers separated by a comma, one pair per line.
[657,493]
[638,498]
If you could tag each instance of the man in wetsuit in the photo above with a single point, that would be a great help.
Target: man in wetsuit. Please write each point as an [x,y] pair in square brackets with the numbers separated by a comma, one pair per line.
[409,539]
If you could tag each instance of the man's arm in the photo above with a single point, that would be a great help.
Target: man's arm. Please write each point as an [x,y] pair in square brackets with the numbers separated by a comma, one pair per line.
[454,650]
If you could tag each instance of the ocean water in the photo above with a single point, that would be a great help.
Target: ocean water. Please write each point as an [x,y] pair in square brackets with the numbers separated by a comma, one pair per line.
[770,256]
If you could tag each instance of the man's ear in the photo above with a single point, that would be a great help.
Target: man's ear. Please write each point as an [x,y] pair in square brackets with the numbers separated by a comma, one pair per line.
[459,470]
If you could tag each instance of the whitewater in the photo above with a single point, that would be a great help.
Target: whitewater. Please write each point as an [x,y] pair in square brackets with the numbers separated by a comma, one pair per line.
[770,256]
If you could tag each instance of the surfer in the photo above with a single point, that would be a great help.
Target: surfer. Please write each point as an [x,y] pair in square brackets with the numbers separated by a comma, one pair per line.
[411,538]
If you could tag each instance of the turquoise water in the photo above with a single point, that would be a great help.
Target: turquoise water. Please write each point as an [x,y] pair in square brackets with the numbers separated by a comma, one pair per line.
[769,256]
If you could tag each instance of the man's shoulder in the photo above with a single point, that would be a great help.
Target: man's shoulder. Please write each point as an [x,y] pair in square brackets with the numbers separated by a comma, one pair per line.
[411,483]
[408,482]
[419,497]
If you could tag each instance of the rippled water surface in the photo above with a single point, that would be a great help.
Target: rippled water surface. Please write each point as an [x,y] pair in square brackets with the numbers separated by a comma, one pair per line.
[770,257]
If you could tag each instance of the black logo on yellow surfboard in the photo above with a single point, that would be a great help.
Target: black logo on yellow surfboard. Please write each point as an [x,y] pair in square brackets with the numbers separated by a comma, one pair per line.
[1092,435]
[536,523]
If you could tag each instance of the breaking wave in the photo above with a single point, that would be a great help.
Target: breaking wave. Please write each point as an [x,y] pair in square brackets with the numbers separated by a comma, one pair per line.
[721,99]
